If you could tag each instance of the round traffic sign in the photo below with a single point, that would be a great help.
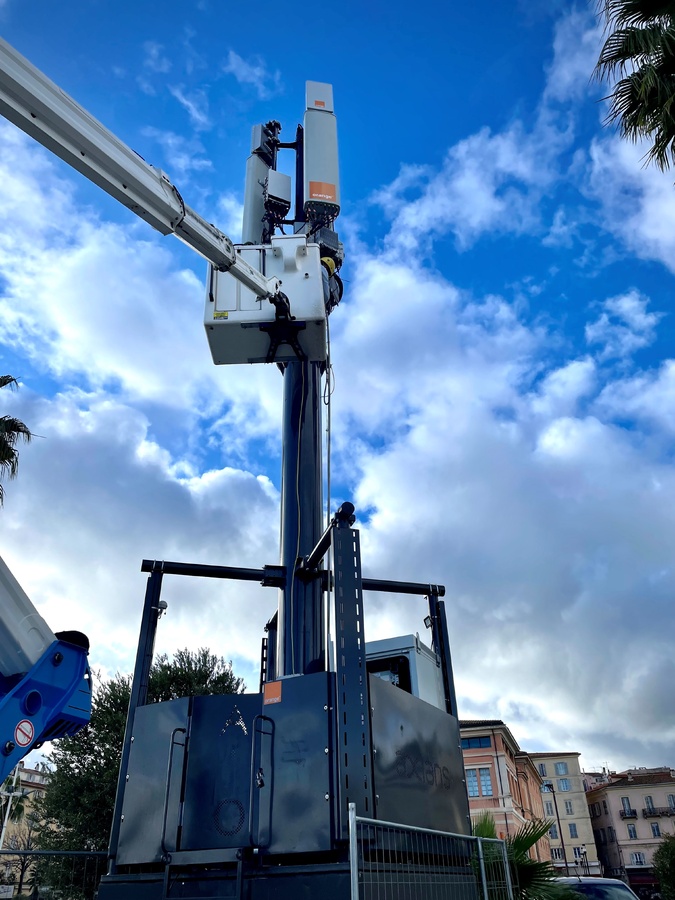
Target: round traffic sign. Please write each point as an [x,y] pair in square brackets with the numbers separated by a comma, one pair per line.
[24,733]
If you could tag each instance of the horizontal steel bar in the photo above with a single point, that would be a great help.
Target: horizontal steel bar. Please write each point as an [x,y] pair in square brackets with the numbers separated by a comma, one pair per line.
[402,587]
[269,576]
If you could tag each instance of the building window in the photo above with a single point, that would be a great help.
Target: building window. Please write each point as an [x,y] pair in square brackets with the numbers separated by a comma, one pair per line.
[625,802]
[485,782]
[474,743]
[637,859]
[578,853]
[604,806]
[603,836]
[561,768]
[649,804]
[548,807]
[553,833]
[542,769]
[564,784]
[556,853]
[569,809]
[632,832]
[656,831]
[471,783]
[671,801]
[612,834]
[573,830]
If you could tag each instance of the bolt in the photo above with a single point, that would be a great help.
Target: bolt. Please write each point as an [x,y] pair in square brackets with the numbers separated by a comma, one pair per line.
[326,796]
[9,746]
[325,750]
[132,740]
[306,274]
[57,659]
[325,709]
[122,818]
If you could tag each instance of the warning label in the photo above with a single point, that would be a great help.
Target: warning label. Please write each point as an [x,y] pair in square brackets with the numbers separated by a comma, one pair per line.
[24,733]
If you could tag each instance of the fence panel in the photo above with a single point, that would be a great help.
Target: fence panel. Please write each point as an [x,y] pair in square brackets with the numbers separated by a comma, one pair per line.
[396,862]
[51,874]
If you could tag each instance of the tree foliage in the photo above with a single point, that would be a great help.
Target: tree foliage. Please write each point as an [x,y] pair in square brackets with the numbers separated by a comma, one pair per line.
[664,866]
[639,51]
[532,879]
[76,809]
[11,432]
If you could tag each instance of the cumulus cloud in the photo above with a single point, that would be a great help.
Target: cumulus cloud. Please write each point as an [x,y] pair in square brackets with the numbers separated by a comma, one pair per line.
[253,73]
[636,202]
[483,448]
[624,326]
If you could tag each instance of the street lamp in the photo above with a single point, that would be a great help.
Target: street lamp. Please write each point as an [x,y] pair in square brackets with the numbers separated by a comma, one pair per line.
[548,788]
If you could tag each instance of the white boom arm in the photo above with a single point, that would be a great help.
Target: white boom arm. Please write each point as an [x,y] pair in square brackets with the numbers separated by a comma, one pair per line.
[45,112]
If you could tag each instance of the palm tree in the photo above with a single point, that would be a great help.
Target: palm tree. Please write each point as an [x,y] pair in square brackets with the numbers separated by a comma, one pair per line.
[11,431]
[640,50]
[532,879]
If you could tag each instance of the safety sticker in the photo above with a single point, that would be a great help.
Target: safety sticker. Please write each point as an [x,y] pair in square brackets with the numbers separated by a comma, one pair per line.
[24,733]
[221,314]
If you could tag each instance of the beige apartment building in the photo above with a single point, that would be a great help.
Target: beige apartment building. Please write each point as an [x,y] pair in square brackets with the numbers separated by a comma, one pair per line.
[573,847]
[500,779]
[630,812]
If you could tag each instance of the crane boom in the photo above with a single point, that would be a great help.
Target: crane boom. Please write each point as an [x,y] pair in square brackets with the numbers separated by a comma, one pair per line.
[40,108]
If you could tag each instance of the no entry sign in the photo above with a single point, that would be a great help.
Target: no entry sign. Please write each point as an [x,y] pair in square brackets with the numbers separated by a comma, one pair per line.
[24,733]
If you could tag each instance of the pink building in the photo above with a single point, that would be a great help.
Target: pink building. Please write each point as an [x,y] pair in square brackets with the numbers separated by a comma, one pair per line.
[501,779]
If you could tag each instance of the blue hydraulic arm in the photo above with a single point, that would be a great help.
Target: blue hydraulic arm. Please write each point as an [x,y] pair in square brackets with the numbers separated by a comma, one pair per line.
[45,683]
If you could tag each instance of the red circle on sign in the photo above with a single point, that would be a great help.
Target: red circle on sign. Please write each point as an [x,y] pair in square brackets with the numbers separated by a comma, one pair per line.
[24,733]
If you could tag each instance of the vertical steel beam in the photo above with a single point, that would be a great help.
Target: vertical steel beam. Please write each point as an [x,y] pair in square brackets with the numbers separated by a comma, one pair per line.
[301,622]
[354,742]
[139,697]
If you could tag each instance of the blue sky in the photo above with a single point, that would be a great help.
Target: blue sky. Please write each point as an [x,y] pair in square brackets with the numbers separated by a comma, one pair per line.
[504,384]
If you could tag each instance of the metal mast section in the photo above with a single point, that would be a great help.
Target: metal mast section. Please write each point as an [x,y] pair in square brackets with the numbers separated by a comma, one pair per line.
[300,641]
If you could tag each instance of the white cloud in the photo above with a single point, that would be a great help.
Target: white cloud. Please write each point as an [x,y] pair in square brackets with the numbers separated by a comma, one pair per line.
[255,74]
[155,59]
[637,202]
[624,326]
[576,47]
[196,104]
[182,155]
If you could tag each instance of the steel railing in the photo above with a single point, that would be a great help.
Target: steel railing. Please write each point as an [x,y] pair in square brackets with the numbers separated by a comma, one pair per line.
[389,861]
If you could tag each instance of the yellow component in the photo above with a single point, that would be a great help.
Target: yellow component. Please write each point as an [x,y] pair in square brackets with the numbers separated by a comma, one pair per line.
[328,264]
[222,314]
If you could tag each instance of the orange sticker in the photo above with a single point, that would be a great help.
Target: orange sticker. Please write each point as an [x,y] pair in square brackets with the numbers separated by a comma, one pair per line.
[321,190]
[272,693]
[320,103]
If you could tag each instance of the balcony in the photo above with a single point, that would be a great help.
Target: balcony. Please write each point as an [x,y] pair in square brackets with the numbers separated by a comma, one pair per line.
[628,814]
[653,811]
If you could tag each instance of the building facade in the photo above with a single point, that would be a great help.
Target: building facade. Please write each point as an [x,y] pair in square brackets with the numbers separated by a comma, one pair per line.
[630,812]
[501,780]
[573,847]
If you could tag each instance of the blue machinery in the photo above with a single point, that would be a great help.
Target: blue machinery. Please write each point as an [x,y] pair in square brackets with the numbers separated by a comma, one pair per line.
[45,687]
[248,796]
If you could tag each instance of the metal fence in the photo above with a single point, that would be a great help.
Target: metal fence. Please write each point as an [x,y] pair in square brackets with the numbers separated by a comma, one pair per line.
[397,862]
[51,874]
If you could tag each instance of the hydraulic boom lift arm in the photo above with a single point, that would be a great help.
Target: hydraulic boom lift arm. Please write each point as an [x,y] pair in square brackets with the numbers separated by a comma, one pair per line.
[40,108]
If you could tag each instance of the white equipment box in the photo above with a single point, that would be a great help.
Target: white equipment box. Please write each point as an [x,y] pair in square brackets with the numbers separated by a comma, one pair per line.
[234,313]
